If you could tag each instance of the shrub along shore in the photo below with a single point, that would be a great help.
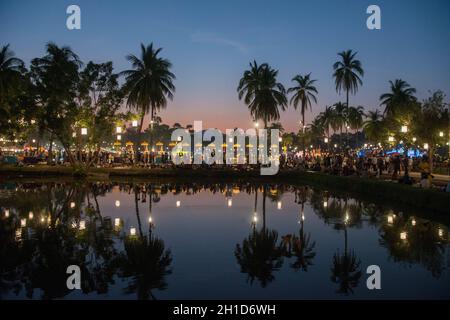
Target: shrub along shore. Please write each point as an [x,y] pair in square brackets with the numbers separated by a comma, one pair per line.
[386,192]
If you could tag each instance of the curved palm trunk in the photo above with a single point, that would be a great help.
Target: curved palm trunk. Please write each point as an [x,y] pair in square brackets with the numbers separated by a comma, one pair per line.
[136,202]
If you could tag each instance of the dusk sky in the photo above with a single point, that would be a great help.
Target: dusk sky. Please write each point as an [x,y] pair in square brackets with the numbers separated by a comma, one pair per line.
[211,43]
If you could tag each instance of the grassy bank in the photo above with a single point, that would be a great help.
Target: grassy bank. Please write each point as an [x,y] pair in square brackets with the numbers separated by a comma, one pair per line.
[374,190]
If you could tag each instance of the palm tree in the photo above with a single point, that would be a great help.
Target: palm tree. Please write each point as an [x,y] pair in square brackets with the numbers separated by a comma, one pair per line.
[347,75]
[10,67]
[303,93]
[327,118]
[355,119]
[149,83]
[398,98]
[262,93]
[374,126]
[340,117]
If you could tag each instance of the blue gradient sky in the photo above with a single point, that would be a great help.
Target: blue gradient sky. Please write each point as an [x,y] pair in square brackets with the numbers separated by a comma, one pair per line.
[210,43]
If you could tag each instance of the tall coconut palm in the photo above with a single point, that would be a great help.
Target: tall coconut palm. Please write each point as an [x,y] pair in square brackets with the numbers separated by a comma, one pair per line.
[340,117]
[327,118]
[348,73]
[149,83]
[10,67]
[400,96]
[262,93]
[304,93]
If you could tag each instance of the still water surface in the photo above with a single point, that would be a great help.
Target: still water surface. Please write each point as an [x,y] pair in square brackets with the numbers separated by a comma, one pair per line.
[213,241]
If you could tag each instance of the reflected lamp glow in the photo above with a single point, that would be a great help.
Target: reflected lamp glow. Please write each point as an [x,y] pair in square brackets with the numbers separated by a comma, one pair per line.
[117,203]
[279,205]
[178,203]
[230,202]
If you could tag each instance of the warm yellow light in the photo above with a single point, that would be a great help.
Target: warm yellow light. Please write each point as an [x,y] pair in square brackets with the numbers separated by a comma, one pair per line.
[441,134]
[256,124]
[303,217]
[325,140]
[118,129]
[117,222]
[133,231]
[404,129]
[72,205]
[6,213]
[403,235]
[426,146]
[280,139]
[230,202]
[413,222]
[117,203]
[42,219]
[23,222]
[34,140]
[391,139]
[279,205]
[83,131]
[134,123]
[335,145]
[82,225]
[30,215]
[119,137]
[347,217]
[390,219]
[414,139]
[440,232]
[150,219]
[255,219]
[325,204]
[178,203]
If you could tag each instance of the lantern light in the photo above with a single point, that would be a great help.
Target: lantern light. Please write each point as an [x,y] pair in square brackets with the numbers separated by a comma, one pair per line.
[404,129]
[414,139]
[256,124]
[391,139]
[325,140]
[426,146]
[441,134]
[82,225]
[6,213]
[413,222]
[390,219]
[335,145]
[83,131]
[230,202]
[403,235]
[325,204]
[279,205]
[118,129]
[178,203]
[132,231]
[150,219]
[255,219]
[117,222]
[119,137]
[23,222]
[72,205]
[30,215]
[117,203]
[134,123]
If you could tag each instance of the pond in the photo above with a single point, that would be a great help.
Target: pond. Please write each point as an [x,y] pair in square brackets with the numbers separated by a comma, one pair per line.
[198,240]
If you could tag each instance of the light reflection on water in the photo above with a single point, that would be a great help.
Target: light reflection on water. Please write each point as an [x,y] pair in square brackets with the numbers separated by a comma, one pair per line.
[194,241]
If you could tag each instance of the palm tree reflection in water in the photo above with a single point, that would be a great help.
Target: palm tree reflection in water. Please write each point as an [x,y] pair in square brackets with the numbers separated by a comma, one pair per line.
[259,256]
